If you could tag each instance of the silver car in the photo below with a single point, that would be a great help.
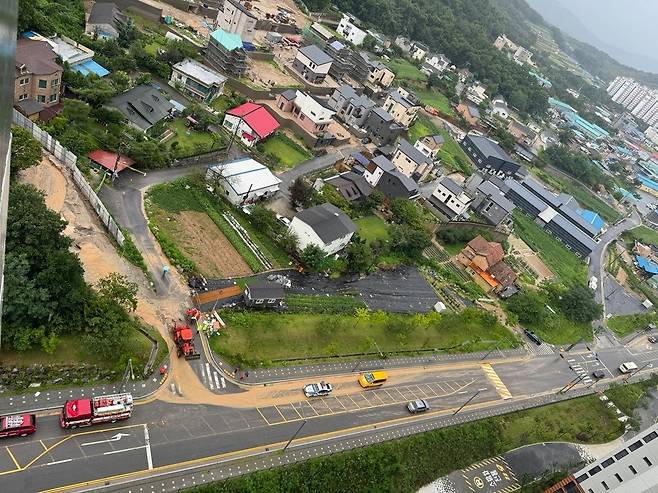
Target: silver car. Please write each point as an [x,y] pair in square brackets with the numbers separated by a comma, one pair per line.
[317,389]
[418,406]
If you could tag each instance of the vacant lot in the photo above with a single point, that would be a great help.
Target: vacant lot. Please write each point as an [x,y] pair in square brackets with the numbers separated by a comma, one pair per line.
[451,154]
[283,151]
[260,337]
[437,100]
[563,263]
[643,234]
[372,228]
[626,324]
[405,70]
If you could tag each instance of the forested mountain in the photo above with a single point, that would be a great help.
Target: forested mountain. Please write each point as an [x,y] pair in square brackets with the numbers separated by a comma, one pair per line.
[464,30]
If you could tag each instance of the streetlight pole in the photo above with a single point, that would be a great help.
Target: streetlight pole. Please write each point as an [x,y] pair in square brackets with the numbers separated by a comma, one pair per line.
[574,382]
[466,403]
[294,436]
[638,370]
[572,345]
[490,351]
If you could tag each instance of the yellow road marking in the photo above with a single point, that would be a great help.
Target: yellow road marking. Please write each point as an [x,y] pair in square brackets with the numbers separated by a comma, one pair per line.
[293,407]
[43,445]
[280,413]
[18,466]
[493,377]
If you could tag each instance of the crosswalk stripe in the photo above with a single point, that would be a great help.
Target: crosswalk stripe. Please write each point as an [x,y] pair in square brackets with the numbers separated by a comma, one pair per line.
[496,381]
[209,376]
[216,379]
[203,376]
[223,383]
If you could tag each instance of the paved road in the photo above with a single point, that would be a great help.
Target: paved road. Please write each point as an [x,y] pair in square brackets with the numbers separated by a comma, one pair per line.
[162,434]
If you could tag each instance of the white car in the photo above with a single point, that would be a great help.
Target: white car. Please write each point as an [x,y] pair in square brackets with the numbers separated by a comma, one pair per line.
[317,389]
[593,283]
[418,406]
[283,220]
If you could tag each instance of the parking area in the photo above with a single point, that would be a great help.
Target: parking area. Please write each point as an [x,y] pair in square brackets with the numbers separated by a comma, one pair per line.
[384,396]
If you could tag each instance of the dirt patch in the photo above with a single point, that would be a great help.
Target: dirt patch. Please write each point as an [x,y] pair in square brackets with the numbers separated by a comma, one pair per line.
[201,241]
[269,74]
[522,250]
[47,178]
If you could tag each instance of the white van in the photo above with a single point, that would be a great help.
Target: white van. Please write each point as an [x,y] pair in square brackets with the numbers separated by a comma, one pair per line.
[627,367]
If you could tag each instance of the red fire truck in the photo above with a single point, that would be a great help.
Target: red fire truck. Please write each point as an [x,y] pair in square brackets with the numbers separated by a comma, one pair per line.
[18,425]
[100,409]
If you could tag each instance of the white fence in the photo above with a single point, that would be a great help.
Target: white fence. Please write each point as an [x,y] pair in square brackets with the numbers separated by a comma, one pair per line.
[69,159]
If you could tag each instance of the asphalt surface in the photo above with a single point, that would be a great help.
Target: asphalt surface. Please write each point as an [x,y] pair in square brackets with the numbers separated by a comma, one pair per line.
[617,300]
[172,434]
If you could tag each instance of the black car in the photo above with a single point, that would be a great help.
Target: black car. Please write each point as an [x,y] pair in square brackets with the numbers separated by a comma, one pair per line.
[532,336]
[598,374]
[652,339]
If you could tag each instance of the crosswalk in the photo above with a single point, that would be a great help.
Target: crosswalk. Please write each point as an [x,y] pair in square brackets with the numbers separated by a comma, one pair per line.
[543,349]
[495,380]
[584,373]
[210,377]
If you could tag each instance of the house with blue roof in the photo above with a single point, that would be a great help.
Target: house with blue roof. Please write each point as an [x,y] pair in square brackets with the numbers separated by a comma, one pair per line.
[592,218]
[649,267]
[226,53]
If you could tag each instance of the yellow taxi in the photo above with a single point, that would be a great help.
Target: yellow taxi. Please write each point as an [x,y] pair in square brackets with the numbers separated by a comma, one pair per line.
[372,379]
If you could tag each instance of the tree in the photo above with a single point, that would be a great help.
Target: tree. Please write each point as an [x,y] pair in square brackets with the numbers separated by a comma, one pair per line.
[120,81]
[144,78]
[369,43]
[301,193]
[148,154]
[433,81]
[96,92]
[579,305]
[371,203]
[25,150]
[119,289]
[406,212]
[528,306]
[288,241]
[317,5]
[265,220]
[359,256]
[408,241]
[127,33]
[313,258]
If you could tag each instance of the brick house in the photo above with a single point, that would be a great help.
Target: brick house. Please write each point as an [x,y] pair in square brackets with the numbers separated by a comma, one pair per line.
[312,116]
[484,262]
[37,82]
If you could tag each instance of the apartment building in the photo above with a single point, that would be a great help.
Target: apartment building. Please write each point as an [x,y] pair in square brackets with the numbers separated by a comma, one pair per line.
[236,18]
[37,82]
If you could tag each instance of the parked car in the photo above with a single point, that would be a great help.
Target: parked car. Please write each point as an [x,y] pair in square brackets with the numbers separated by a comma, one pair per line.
[652,339]
[627,367]
[373,379]
[532,336]
[283,220]
[593,283]
[418,406]
[598,374]
[317,389]
[280,279]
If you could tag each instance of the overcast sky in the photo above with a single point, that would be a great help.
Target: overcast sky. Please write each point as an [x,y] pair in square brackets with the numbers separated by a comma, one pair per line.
[625,29]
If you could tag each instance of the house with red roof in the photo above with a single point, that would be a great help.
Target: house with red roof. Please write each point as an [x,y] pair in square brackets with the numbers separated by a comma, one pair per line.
[250,122]
[110,161]
[483,260]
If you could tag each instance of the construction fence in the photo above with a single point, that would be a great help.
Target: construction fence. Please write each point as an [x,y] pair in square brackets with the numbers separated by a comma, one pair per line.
[66,157]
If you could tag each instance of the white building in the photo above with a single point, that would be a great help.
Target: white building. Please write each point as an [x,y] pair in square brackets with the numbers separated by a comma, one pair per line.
[418,51]
[197,81]
[325,226]
[640,100]
[244,181]
[436,64]
[236,18]
[450,199]
[476,93]
[348,27]
[651,133]
[312,63]
[499,108]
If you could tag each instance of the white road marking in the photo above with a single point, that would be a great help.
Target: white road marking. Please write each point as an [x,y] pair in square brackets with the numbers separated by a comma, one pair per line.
[203,376]
[115,438]
[223,383]
[216,379]
[147,439]
[209,376]
[124,450]
[58,462]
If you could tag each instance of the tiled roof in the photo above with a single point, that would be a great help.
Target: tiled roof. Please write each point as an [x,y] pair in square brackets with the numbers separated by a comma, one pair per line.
[414,154]
[328,221]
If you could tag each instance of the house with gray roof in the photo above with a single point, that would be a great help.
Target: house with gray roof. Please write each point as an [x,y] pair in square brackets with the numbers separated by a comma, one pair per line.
[411,161]
[143,106]
[490,203]
[104,21]
[381,127]
[197,81]
[351,185]
[489,157]
[403,105]
[449,200]
[312,64]
[382,174]
[325,226]
[350,107]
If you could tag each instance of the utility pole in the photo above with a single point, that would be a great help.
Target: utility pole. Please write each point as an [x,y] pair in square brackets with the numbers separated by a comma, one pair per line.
[638,370]
[466,403]
[294,436]
[490,351]
[570,384]
[572,345]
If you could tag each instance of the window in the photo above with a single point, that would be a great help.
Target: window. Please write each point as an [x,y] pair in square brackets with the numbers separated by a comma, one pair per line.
[22,97]
[271,300]
[41,98]
[24,81]
[608,462]
[647,461]
[605,485]
[634,446]
[632,469]
[594,470]
[650,437]
[259,302]
[621,454]
[581,478]
[54,82]
[302,116]
[619,478]
[43,83]
[52,98]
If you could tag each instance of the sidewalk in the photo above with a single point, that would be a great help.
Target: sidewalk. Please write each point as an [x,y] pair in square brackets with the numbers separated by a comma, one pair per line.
[38,400]
[275,374]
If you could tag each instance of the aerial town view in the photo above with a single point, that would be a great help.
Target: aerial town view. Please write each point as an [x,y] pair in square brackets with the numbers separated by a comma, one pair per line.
[318,246]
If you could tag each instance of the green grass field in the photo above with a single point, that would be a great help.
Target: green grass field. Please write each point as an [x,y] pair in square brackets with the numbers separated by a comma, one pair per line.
[585,198]
[284,152]
[569,268]
[437,100]
[405,70]
[623,325]
[257,338]
[557,329]
[643,234]
[372,228]
[190,142]
[405,465]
